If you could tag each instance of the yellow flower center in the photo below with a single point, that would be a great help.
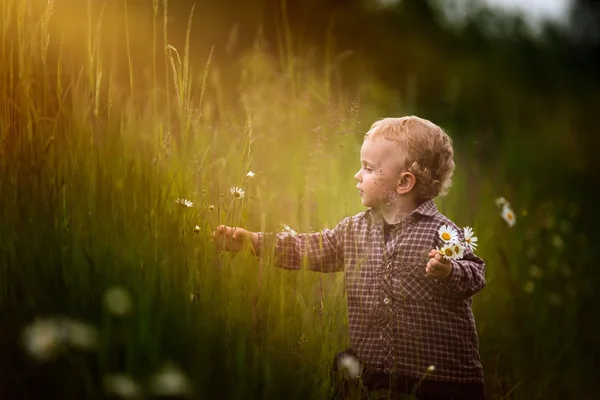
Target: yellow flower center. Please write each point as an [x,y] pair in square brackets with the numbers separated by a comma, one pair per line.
[509,215]
[446,236]
[456,248]
[468,240]
[236,194]
[448,251]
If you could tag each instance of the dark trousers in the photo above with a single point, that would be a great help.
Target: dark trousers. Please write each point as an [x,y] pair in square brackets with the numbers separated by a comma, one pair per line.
[351,388]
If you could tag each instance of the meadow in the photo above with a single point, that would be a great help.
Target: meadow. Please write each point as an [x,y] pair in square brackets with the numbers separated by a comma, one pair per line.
[110,286]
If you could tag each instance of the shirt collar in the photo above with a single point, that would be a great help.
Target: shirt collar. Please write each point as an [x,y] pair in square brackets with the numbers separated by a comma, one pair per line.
[426,208]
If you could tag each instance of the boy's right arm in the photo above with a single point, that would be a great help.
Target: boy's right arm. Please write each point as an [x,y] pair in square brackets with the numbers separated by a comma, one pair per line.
[320,251]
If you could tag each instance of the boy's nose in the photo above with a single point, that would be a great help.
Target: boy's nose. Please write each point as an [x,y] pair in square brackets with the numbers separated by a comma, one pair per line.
[357,176]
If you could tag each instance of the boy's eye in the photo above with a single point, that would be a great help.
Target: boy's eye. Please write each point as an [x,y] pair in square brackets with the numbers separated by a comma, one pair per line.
[368,169]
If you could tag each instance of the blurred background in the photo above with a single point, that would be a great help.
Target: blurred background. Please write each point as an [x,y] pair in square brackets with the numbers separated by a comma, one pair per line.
[114,113]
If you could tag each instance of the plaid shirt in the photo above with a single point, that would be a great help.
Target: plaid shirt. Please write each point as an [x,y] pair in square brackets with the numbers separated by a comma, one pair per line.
[399,320]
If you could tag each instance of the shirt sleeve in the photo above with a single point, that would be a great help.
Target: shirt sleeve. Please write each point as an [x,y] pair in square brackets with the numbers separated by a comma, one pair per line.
[468,273]
[320,251]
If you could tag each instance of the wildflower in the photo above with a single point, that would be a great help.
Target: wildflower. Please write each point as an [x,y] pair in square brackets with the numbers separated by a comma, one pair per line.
[459,250]
[196,229]
[431,368]
[43,339]
[529,286]
[350,365]
[470,240]
[120,385]
[286,228]
[501,202]
[237,192]
[448,252]
[184,203]
[170,381]
[211,208]
[448,234]
[117,302]
[508,215]
[250,174]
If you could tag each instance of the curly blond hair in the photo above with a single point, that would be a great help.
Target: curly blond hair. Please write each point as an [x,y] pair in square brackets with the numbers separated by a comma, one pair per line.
[429,154]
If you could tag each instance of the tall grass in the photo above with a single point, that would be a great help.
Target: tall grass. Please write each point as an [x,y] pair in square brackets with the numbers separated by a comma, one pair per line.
[90,171]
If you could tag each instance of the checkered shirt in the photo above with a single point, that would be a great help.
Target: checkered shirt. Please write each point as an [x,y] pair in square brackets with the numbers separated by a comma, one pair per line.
[399,320]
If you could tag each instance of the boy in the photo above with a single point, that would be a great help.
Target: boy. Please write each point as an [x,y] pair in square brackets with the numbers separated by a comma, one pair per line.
[409,309]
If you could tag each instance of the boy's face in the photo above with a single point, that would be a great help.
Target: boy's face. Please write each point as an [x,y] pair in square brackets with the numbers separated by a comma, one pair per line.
[380,172]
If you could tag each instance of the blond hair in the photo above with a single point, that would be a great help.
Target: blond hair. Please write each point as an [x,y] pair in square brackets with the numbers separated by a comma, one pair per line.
[429,154]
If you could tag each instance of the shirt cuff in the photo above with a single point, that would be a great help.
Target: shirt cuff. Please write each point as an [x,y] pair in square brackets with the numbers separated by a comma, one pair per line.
[453,280]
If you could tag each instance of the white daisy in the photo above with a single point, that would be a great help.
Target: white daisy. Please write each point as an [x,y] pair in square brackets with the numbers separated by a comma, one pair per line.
[197,229]
[250,174]
[448,234]
[286,228]
[508,215]
[43,338]
[350,365]
[122,386]
[170,381]
[501,202]
[459,250]
[117,302]
[237,192]
[431,368]
[211,208]
[184,203]
[447,251]
[470,240]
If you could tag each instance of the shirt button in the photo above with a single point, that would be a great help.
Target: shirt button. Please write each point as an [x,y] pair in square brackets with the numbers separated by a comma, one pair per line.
[386,301]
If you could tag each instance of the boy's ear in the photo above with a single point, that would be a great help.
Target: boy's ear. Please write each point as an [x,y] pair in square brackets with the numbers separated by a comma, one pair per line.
[406,182]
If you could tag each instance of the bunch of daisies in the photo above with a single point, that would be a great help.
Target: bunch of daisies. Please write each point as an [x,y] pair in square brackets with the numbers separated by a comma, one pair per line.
[454,248]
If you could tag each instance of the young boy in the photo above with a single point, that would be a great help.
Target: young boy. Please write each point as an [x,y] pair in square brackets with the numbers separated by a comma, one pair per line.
[409,309]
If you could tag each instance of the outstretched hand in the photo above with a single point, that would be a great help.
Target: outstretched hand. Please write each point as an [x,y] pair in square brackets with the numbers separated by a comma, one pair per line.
[234,239]
[438,267]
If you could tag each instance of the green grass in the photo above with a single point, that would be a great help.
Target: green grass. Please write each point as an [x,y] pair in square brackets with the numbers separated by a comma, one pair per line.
[91,165]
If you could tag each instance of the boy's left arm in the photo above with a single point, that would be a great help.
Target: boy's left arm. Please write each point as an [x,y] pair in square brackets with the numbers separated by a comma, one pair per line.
[467,276]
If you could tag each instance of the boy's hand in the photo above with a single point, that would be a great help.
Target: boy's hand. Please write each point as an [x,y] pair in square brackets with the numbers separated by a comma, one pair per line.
[438,267]
[234,239]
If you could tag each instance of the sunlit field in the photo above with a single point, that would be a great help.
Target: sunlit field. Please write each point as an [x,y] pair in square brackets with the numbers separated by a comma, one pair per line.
[120,153]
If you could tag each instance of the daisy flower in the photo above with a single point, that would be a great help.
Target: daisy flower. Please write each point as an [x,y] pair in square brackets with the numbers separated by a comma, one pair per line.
[197,229]
[250,174]
[448,234]
[237,192]
[470,240]
[508,215]
[43,339]
[211,208]
[184,203]
[448,252]
[170,382]
[501,202]
[122,386]
[350,365]
[286,228]
[459,250]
